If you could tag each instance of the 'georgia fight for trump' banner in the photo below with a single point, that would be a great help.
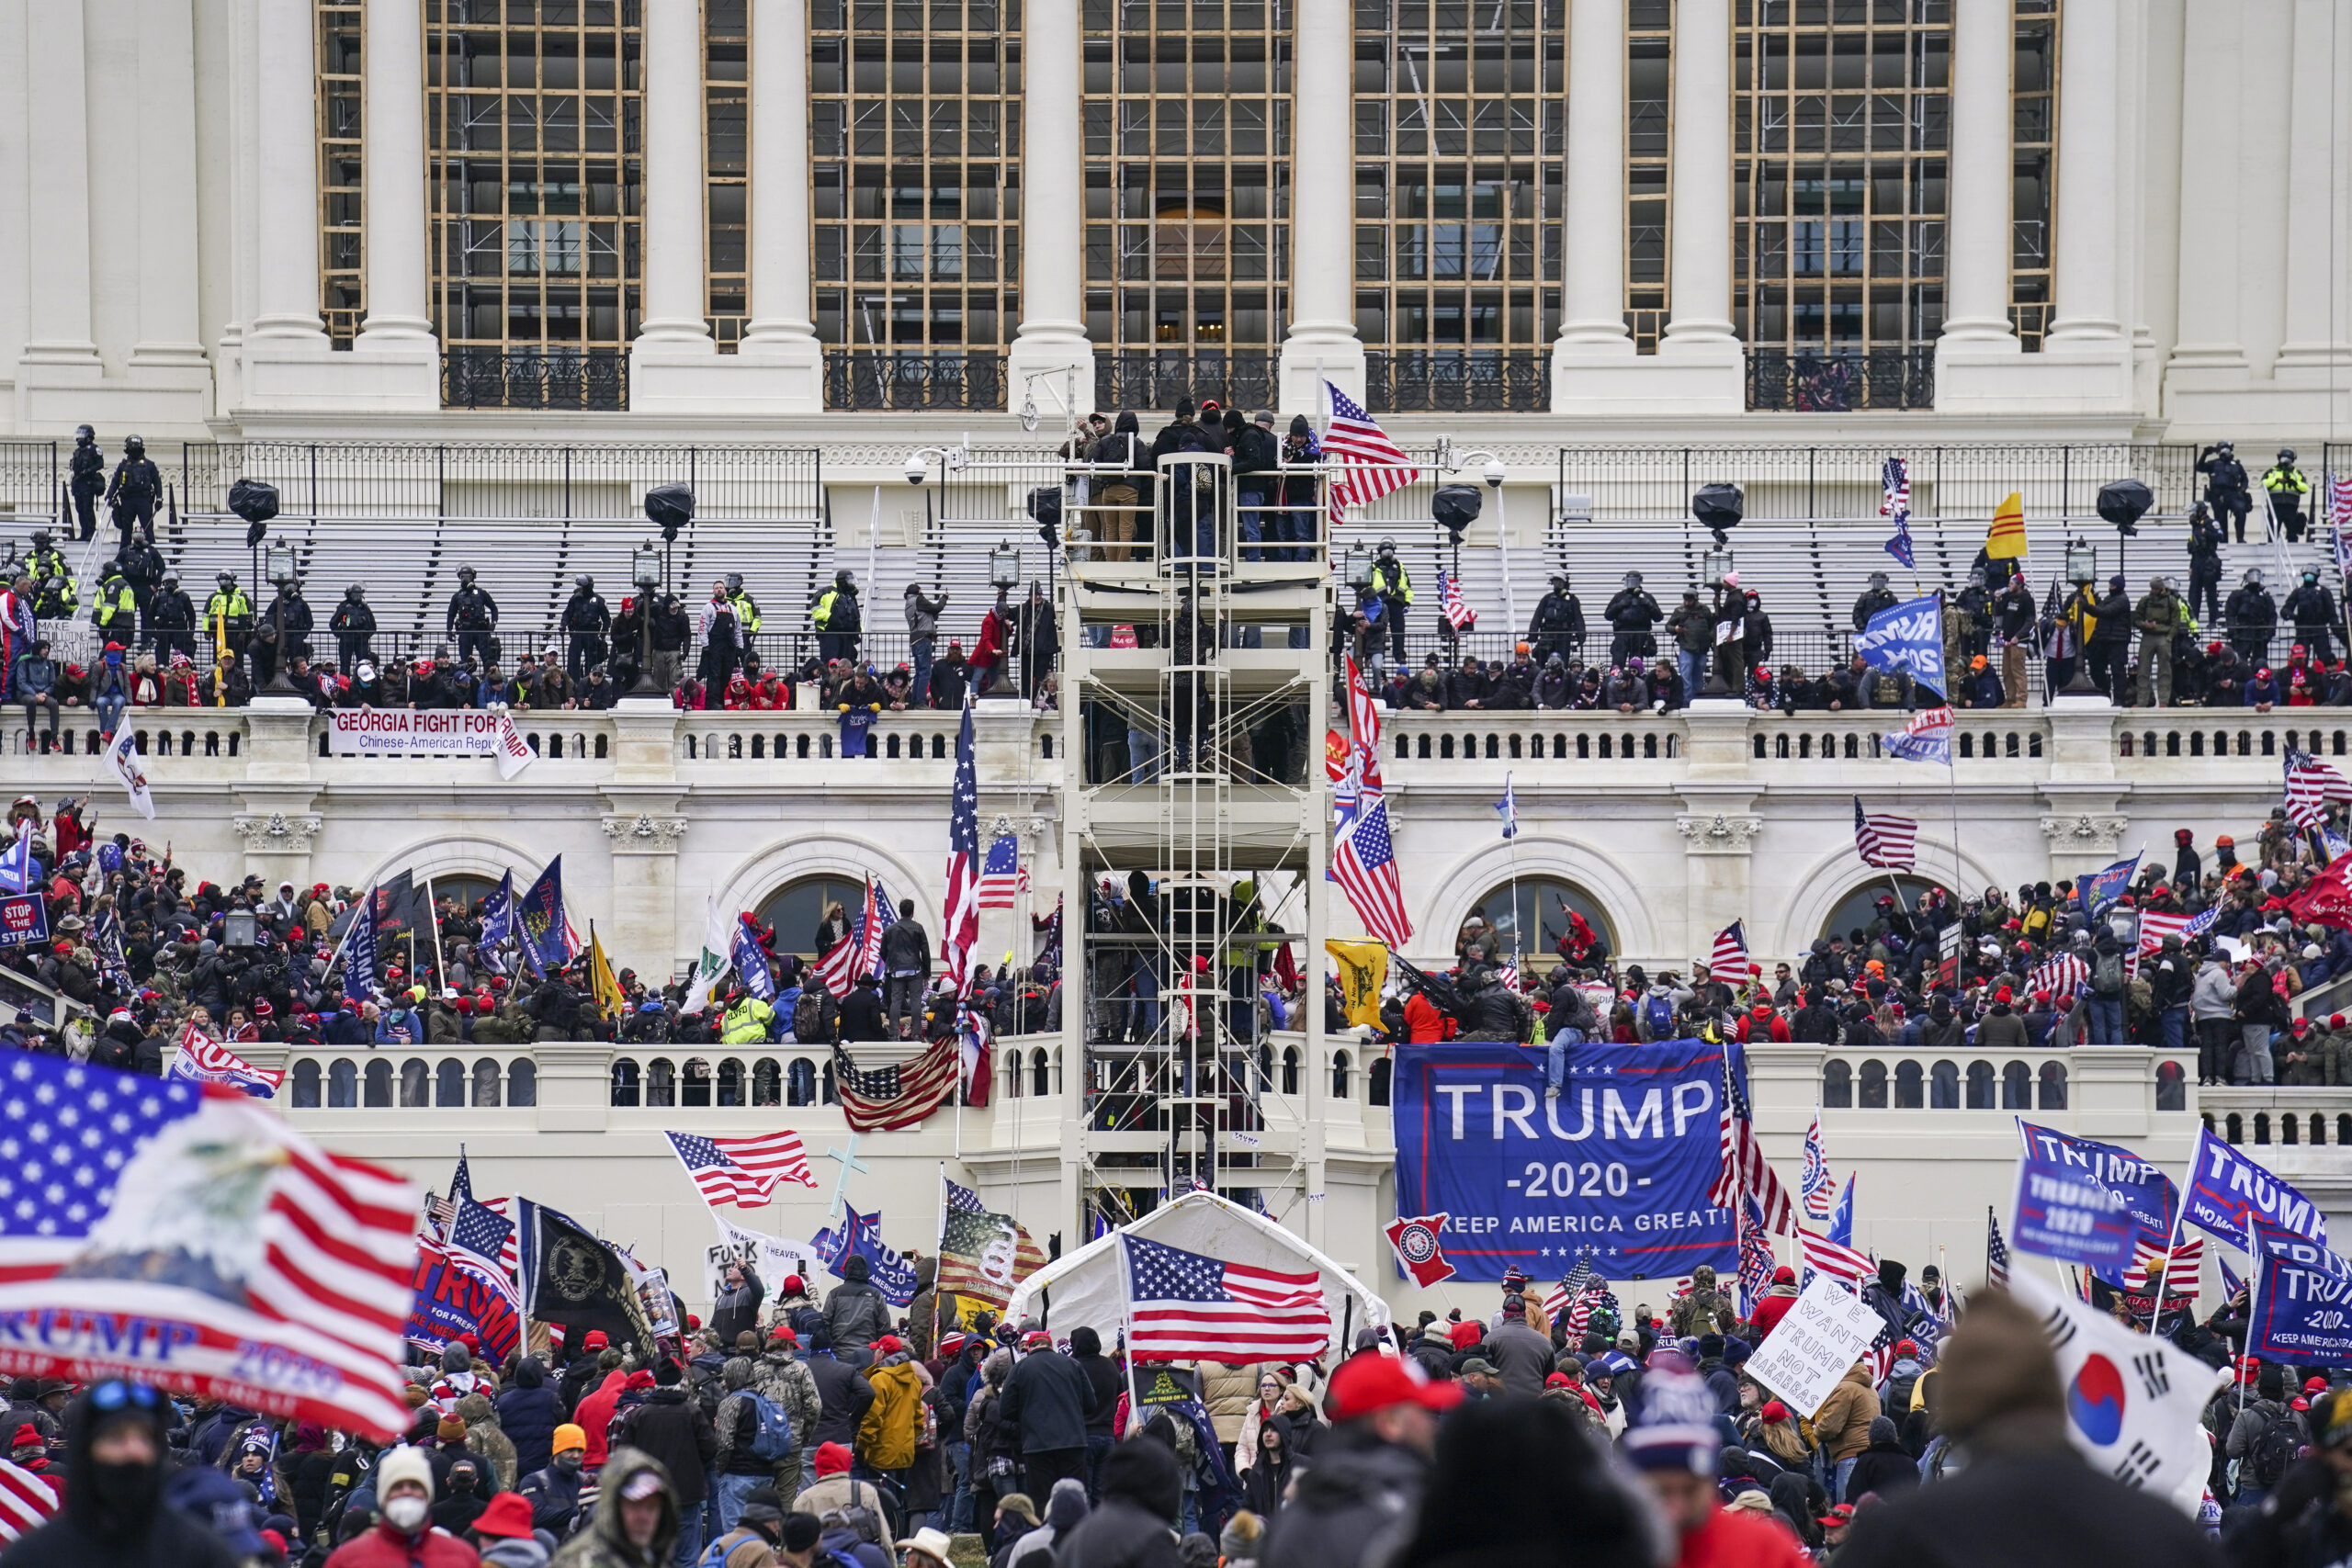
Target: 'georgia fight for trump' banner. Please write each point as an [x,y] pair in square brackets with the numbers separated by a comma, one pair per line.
[1616,1168]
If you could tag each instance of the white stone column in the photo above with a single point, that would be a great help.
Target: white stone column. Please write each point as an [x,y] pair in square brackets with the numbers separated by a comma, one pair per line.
[396,341]
[780,334]
[1321,343]
[2209,354]
[287,202]
[2319,212]
[1700,326]
[60,352]
[1592,278]
[1050,348]
[675,228]
[1976,214]
[170,348]
[2084,311]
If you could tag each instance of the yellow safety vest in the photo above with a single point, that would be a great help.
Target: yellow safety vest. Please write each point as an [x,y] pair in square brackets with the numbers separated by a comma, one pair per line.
[747,1020]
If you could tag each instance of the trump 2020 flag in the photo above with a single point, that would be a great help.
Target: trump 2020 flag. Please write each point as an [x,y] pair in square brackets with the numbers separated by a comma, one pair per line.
[541,926]
[181,1235]
[17,864]
[2133,1401]
[751,961]
[2301,1293]
[860,1236]
[1908,637]
[2102,888]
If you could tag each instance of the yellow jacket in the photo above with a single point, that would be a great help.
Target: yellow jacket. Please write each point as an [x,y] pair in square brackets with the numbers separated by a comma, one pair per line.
[893,1423]
[747,1021]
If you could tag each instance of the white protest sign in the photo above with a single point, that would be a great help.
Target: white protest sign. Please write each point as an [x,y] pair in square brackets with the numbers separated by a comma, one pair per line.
[402,732]
[774,1256]
[1816,1344]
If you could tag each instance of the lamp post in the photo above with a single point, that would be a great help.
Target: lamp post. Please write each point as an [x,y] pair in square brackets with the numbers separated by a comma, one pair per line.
[1714,567]
[645,570]
[238,929]
[2082,570]
[280,554]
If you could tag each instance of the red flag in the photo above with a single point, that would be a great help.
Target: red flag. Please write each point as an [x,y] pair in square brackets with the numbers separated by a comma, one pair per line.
[1415,1242]
[2327,900]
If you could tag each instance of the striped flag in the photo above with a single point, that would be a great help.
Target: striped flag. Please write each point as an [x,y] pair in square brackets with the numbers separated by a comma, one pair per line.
[1888,842]
[28,1499]
[1000,873]
[1823,1256]
[1756,1261]
[1818,1188]
[205,1060]
[859,954]
[1363,726]
[510,1251]
[2339,493]
[1571,1289]
[900,1095]
[981,1255]
[2156,925]
[961,929]
[2311,784]
[1449,597]
[1744,1168]
[188,1215]
[2180,1267]
[2060,976]
[1365,865]
[1895,478]
[1370,465]
[1730,952]
[742,1171]
[1182,1305]
[1996,1254]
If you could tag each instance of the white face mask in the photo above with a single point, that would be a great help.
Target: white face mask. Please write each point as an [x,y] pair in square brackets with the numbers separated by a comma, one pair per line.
[405,1512]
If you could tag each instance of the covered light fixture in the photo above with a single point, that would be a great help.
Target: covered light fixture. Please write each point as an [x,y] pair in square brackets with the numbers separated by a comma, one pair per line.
[1004,567]
[279,559]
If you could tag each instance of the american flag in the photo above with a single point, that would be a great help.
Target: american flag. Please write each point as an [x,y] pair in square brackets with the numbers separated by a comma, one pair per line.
[1573,1283]
[205,1060]
[1182,1305]
[2204,923]
[1996,1254]
[2060,976]
[1889,843]
[742,1171]
[140,1212]
[1895,477]
[1824,1256]
[2339,491]
[1449,597]
[1818,1186]
[2155,926]
[1366,864]
[2180,1267]
[1744,1168]
[1000,873]
[462,1190]
[1363,722]
[900,1095]
[480,1231]
[1730,954]
[859,954]
[2310,786]
[1756,1259]
[983,1255]
[27,1500]
[1371,465]
[961,932]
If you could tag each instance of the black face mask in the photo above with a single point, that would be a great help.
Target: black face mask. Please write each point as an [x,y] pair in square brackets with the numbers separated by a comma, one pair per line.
[570,1459]
[124,1495]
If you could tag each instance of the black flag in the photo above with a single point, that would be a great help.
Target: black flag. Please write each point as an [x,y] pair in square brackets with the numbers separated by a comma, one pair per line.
[570,1278]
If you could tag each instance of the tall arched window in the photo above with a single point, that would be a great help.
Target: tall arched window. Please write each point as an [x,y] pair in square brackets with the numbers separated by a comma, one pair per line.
[1836,1085]
[1383,1075]
[1857,909]
[1539,907]
[449,1083]
[1339,1075]
[488,1081]
[767,1082]
[522,1082]
[796,909]
[628,1086]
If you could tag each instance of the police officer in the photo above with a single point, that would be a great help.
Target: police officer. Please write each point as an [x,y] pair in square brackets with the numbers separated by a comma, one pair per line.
[2253,616]
[56,596]
[89,477]
[835,616]
[472,616]
[2312,609]
[1630,612]
[2205,541]
[1394,588]
[171,620]
[136,489]
[228,618]
[353,623]
[586,625]
[291,611]
[2288,487]
[114,608]
[1558,623]
[1877,600]
[2225,488]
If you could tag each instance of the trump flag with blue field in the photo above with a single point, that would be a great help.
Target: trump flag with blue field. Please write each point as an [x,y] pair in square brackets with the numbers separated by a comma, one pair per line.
[1617,1168]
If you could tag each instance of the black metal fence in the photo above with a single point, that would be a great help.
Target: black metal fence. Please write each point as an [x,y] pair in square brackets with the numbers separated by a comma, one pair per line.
[592,380]
[1872,380]
[1467,382]
[886,380]
[1156,381]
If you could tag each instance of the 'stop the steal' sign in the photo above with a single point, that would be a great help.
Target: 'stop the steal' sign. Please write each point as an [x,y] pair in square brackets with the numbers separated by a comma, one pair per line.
[429,732]
[1615,1168]
[1815,1346]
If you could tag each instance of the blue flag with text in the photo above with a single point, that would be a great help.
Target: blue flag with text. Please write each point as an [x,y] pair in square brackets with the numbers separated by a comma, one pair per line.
[1616,1168]
[2302,1299]
[2226,1187]
[1909,637]
[2145,1194]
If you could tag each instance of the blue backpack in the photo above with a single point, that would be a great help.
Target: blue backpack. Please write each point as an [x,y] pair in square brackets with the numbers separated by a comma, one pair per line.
[1657,1015]
[774,1439]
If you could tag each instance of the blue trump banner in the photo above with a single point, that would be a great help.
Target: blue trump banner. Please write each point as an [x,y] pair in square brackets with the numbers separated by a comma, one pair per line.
[1908,637]
[2101,888]
[2224,1188]
[861,1237]
[540,925]
[2065,1211]
[2145,1194]
[2302,1299]
[751,961]
[455,1295]
[1616,1168]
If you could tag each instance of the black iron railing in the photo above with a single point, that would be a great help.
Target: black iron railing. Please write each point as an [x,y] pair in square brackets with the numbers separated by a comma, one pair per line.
[594,380]
[872,378]
[1833,380]
[1420,382]
[1157,380]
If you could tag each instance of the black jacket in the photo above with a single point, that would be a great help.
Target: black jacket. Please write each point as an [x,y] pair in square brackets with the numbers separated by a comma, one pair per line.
[1350,1498]
[528,1413]
[843,1396]
[2040,1509]
[906,945]
[1103,1376]
[671,1428]
[87,1535]
[1048,1397]
[737,1311]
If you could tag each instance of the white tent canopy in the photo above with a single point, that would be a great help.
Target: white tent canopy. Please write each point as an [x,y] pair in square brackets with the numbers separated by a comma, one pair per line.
[1087,1289]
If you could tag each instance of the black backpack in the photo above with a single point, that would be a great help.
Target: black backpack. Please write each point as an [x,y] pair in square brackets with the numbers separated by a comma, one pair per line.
[2107,975]
[808,1014]
[2279,1446]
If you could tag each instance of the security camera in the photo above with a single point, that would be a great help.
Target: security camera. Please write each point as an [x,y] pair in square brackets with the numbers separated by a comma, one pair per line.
[916,469]
[1495,472]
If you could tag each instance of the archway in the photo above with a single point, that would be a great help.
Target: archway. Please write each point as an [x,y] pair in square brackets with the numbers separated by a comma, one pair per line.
[796,909]
[1539,905]
[1856,911]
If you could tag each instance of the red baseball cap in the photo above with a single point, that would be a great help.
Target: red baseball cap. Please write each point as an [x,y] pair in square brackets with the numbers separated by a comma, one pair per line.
[1366,1384]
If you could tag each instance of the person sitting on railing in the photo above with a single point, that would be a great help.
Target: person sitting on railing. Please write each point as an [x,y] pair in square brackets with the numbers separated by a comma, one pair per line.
[34,683]
[1555,687]
[689,698]
[2261,694]
[1426,690]
[738,694]
[554,692]
[1980,687]
[599,695]
[1763,695]
[898,689]
[1467,687]
[1627,689]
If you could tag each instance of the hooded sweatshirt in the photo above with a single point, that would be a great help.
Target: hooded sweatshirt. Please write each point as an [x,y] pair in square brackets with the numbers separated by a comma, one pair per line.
[604,1544]
[114,1516]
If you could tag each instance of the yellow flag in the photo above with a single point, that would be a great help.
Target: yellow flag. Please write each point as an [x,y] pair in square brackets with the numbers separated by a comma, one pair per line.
[1364,970]
[600,977]
[2005,540]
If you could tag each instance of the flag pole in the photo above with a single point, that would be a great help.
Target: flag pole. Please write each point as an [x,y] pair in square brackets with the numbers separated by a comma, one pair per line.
[2252,1294]
[364,910]
[939,1256]
[1989,1223]
[1127,1331]
[433,915]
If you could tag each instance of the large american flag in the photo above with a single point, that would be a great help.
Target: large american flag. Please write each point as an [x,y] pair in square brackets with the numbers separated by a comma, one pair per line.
[1889,843]
[1573,1296]
[859,954]
[203,1059]
[2156,925]
[1365,865]
[1818,1188]
[480,1232]
[26,1499]
[1363,724]
[2180,1267]
[900,1095]
[1823,1256]
[1000,873]
[2310,786]
[1996,1254]
[1744,1168]
[1449,598]
[742,1171]
[961,932]
[1894,479]
[462,1187]
[138,1213]
[1182,1305]
[2060,976]
[1729,954]
[1371,465]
